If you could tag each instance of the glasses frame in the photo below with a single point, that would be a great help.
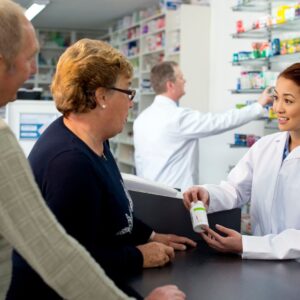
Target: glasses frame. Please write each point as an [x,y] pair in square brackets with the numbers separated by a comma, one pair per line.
[129,92]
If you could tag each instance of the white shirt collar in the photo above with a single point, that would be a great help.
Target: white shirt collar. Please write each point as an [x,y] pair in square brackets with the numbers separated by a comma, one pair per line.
[164,100]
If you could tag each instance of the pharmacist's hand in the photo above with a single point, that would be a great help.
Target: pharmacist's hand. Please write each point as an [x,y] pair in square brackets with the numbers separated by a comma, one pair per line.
[266,96]
[166,292]
[175,241]
[195,193]
[156,254]
[232,242]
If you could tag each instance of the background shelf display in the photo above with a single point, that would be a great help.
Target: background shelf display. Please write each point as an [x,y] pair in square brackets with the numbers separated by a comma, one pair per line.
[265,60]
[238,146]
[247,91]
[280,29]
[256,5]
[165,35]
[52,44]
[264,31]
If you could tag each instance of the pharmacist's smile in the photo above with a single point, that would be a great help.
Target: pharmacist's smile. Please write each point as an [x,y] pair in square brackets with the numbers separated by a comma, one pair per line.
[282,120]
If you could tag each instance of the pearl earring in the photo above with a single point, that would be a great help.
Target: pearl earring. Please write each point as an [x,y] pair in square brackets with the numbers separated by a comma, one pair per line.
[103,106]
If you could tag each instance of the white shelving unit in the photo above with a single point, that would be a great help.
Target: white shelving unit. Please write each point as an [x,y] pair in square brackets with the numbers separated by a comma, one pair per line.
[284,30]
[182,36]
[52,44]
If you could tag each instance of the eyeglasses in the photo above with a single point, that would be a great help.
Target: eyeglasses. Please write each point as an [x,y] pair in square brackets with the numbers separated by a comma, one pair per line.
[130,93]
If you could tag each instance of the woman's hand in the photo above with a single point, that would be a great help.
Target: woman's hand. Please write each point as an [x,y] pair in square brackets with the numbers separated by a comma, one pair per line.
[167,292]
[156,254]
[194,194]
[266,97]
[175,241]
[231,243]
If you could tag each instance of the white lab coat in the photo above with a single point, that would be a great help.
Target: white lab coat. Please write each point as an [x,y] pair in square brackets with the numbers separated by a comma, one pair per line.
[166,139]
[273,186]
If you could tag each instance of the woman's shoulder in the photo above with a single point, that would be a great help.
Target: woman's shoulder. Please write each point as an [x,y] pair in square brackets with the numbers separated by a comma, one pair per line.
[274,137]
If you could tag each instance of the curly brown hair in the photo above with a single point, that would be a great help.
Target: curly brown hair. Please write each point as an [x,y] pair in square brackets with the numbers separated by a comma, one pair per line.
[82,68]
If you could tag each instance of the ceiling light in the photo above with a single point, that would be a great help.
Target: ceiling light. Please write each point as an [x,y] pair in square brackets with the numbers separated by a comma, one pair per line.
[35,8]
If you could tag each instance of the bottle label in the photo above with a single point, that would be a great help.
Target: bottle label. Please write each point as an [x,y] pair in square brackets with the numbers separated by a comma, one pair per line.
[198,216]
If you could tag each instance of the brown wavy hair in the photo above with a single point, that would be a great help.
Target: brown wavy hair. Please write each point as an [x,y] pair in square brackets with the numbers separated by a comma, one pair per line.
[82,68]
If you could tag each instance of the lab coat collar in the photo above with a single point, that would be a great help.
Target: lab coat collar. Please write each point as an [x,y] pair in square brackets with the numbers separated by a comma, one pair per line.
[293,154]
[159,99]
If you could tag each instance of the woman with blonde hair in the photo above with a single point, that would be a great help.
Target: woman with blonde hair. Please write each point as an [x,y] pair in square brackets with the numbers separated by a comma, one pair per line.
[78,176]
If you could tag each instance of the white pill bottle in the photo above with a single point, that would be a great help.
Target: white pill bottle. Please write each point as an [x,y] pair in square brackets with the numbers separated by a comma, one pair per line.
[198,216]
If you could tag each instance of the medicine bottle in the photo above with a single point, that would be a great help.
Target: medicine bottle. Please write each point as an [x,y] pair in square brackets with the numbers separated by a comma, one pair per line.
[198,216]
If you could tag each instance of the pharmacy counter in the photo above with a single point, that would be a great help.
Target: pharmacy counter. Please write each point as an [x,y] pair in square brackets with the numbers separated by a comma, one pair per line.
[203,273]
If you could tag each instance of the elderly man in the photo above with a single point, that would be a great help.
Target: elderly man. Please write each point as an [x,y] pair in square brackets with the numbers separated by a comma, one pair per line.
[25,221]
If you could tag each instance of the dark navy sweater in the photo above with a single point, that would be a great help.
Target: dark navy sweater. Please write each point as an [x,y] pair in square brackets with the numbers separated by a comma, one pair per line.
[87,195]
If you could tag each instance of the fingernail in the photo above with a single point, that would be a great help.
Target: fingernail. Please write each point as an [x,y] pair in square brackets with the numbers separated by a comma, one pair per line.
[183,247]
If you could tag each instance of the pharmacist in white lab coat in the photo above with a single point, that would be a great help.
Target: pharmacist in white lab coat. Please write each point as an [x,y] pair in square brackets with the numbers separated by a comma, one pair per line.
[166,136]
[268,176]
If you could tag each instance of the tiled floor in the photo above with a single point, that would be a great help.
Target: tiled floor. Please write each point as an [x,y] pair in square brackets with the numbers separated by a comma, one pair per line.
[5,267]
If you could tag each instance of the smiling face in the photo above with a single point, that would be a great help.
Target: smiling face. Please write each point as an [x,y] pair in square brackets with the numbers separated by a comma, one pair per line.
[24,65]
[287,105]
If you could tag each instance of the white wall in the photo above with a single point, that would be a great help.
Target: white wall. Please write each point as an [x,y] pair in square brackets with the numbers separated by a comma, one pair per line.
[215,153]
[194,55]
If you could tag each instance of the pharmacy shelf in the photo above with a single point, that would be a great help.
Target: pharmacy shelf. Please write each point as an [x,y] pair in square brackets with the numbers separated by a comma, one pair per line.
[265,60]
[247,91]
[258,5]
[153,32]
[53,43]
[154,51]
[120,30]
[159,35]
[155,16]
[237,146]
[173,53]
[131,57]
[262,33]
[252,62]
[251,7]
[129,41]
[287,57]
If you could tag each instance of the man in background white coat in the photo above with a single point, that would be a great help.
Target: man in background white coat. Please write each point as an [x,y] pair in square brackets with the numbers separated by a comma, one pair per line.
[166,136]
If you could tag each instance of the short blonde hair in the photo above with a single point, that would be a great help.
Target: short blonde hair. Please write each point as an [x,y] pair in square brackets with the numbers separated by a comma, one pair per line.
[82,68]
[11,30]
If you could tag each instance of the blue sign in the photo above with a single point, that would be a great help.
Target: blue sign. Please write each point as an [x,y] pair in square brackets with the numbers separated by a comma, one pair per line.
[33,125]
